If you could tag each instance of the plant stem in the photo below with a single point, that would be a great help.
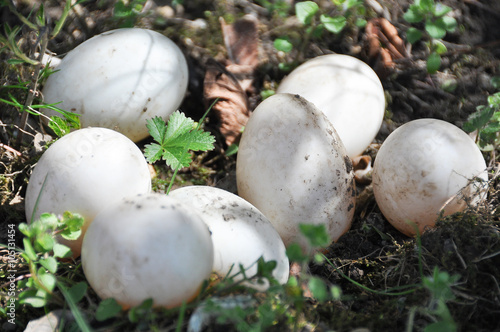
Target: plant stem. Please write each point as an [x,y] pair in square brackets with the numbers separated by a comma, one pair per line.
[386,292]
[43,40]
[186,149]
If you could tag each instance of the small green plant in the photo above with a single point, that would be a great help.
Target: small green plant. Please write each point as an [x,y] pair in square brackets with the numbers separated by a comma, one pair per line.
[126,13]
[10,42]
[278,7]
[59,125]
[315,21]
[41,253]
[175,139]
[281,303]
[436,24]
[486,120]
[439,287]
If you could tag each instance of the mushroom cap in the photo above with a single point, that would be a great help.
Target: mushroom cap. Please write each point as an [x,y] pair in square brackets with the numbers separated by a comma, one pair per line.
[147,246]
[347,90]
[423,168]
[241,234]
[84,172]
[293,167]
[119,79]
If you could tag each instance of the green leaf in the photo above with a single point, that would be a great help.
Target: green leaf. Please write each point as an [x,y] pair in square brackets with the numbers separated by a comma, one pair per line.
[77,291]
[318,289]
[413,35]
[71,225]
[438,47]
[135,314]
[28,249]
[153,152]
[176,157]
[333,24]
[178,124]
[50,263]
[177,140]
[80,320]
[478,119]
[157,128]
[440,10]
[25,229]
[108,308]
[360,22]
[71,235]
[49,220]
[425,5]
[122,10]
[61,251]
[436,29]
[440,284]
[449,23]
[495,81]
[492,128]
[283,44]
[59,126]
[198,140]
[441,326]
[413,15]
[433,63]
[315,234]
[232,149]
[352,3]
[265,268]
[305,11]
[295,254]
[48,280]
[44,242]
[494,100]
[336,292]
[33,298]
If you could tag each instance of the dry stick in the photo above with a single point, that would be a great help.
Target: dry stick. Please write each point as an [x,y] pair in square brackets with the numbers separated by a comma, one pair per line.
[8,148]
[33,84]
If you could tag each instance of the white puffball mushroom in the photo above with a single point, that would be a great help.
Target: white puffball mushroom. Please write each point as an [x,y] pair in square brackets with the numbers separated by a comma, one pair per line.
[84,172]
[147,247]
[119,79]
[347,90]
[425,167]
[292,167]
[241,234]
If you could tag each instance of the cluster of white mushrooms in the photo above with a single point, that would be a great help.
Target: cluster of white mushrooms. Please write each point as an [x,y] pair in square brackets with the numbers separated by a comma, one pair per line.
[293,167]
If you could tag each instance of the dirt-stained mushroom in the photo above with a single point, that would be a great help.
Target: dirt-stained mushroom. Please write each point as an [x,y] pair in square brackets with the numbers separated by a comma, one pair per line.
[424,168]
[84,172]
[241,234]
[119,79]
[293,167]
[347,90]
[147,247]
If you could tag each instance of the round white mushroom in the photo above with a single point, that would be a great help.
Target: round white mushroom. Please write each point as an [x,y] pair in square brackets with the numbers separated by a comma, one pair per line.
[147,247]
[241,234]
[84,172]
[119,79]
[293,167]
[347,90]
[424,168]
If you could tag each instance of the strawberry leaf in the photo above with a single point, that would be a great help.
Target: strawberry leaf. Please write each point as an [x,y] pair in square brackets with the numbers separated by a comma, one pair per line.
[175,140]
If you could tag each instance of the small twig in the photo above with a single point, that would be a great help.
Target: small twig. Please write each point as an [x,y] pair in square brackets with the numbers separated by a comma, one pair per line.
[24,276]
[462,261]
[8,148]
